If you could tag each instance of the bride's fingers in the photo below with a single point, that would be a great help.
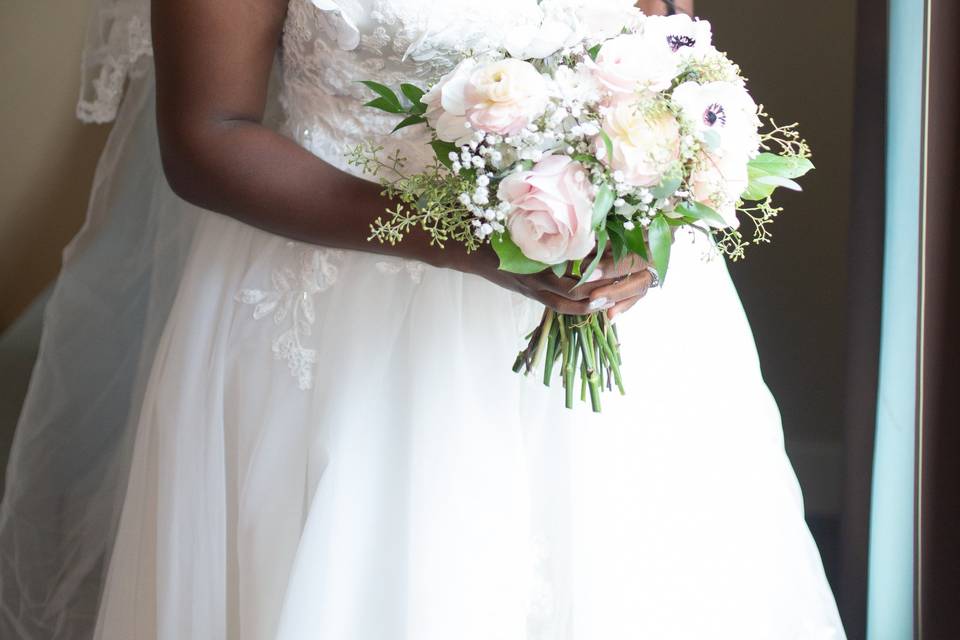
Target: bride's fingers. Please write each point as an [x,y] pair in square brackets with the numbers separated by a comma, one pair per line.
[635,285]
[567,285]
[632,263]
[569,307]
[622,306]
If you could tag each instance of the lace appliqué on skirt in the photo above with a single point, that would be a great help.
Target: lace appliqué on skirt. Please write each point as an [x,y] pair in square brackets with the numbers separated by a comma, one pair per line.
[413,268]
[291,302]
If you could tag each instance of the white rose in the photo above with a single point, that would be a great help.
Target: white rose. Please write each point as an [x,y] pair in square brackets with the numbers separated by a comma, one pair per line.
[446,104]
[718,183]
[631,63]
[646,144]
[722,115]
[566,23]
[680,34]
[503,97]
[538,41]
[550,210]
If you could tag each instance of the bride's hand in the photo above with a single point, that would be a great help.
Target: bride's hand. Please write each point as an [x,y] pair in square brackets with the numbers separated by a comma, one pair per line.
[613,288]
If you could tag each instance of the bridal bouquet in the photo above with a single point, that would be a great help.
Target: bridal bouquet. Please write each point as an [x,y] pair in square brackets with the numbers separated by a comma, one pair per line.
[599,133]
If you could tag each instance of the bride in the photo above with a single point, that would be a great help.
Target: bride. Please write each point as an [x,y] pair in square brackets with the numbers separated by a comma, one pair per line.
[247,422]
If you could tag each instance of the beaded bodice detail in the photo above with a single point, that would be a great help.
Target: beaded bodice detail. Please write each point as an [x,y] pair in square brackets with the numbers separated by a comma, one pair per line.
[328,47]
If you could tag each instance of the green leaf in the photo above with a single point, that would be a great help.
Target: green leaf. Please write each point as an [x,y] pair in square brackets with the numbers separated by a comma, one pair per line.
[661,239]
[443,149]
[783,166]
[412,92]
[636,242]
[607,145]
[559,269]
[768,171]
[409,121]
[512,258]
[668,186]
[385,92]
[699,211]
[632,238]
[779,181]
[602,205]
[601,245]
[585,158]
[618,245]
[594,51]
[385,105]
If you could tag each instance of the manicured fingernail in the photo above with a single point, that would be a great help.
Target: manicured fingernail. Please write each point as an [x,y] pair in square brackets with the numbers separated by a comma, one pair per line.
[596,275]
[598,304]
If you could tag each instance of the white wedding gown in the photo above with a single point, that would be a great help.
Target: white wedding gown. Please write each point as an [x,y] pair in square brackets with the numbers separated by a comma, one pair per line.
[332,445]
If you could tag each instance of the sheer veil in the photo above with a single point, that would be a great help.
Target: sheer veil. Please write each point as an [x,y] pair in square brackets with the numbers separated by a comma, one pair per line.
[68,466]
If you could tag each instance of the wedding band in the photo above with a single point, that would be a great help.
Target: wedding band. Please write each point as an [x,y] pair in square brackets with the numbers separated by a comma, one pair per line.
[656,277]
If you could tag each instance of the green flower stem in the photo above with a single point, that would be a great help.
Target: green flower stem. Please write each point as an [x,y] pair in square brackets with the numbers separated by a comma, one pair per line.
[590,365]
[611,357]
[570,369]
[584,376]
[551,350]
[546,327]
[613,340]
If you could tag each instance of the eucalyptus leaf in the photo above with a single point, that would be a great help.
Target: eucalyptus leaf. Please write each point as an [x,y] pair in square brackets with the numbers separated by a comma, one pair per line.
[661,239]
[559,269]
[511,257]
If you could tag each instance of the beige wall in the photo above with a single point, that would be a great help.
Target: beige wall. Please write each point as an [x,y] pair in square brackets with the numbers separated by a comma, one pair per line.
[46,156]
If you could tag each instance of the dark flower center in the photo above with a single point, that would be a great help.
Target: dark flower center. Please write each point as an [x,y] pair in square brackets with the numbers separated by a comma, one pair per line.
[715,113]
[678,42]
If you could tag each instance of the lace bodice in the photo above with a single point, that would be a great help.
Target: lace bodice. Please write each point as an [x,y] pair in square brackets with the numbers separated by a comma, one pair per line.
[330,45]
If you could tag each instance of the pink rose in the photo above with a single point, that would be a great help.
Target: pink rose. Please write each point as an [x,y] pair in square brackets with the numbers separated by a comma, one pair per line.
[446,108]
[503,97]
[550,210]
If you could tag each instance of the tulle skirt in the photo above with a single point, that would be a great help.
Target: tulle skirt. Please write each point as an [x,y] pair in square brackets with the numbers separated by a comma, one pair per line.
[332,445]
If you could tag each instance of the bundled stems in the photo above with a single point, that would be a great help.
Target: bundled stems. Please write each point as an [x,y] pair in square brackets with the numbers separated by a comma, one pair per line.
[584,345]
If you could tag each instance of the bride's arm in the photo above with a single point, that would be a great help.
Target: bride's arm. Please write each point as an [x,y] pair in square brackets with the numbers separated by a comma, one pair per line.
[213,61]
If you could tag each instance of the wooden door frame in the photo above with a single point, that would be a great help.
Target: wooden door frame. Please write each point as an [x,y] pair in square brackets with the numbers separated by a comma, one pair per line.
[937,497]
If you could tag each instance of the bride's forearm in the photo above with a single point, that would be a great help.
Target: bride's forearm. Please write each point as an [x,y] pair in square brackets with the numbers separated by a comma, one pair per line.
[244,170]
[213,60]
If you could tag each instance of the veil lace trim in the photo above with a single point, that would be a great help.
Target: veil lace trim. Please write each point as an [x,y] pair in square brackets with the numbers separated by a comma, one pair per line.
[118,47]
